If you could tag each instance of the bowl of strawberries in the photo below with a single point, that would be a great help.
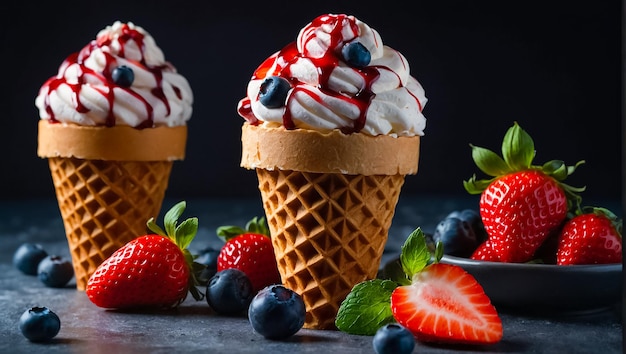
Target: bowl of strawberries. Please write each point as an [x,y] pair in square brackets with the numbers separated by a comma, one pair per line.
[531,244]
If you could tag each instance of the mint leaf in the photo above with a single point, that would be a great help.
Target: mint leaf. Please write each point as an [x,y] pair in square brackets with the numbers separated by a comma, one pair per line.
[415,254]
[366,308]
[393,271]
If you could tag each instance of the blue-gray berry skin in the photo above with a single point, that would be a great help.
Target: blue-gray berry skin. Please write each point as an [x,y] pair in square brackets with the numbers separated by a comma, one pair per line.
[356,55]
[475,221]
[207,257]
[393,338]
[273,92]
[276,312]
[229,292]
[27,257]
[457,236]
[39,324]
[55,271]
[123,76]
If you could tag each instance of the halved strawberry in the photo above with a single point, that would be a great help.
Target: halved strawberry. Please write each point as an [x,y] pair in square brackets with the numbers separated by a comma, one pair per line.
[446,304]
[437,302]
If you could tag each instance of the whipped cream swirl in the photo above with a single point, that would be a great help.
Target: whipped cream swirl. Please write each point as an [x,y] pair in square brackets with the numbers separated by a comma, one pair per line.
[120,78]
[371,92]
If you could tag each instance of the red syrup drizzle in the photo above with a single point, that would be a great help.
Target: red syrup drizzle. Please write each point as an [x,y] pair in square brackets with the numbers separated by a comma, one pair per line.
[105,78]
[325,65]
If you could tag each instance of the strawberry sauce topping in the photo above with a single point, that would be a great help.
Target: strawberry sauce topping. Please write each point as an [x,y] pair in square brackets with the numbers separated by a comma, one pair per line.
[103,81]
[343,29]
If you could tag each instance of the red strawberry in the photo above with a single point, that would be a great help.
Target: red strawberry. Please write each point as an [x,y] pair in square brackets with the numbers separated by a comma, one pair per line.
[446,304]
[149,271]
[591,238]
[249,250]
[485,252]
[522,203]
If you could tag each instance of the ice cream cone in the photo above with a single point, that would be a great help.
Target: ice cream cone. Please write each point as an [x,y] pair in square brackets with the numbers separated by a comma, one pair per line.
[109,181]
[329,199]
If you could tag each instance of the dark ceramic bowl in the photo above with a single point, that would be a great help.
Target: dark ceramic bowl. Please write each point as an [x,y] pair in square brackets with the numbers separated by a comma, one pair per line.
[546,288]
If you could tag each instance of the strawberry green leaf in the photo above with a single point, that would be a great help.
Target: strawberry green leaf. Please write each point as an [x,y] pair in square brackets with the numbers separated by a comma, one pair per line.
[186,231]
[152,226]
[258,226]
[518,148]
[366,308]
[171,218]
[571,169]
[438,251]
[228,232]
[474,186]
[489,162]
[414,255]
[556,169]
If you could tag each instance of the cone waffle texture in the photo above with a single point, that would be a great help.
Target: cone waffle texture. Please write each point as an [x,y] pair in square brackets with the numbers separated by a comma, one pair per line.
[105,204]
[328,231]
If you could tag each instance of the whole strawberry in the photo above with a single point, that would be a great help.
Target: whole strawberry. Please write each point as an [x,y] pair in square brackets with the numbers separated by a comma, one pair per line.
[249,250]
[593,236]
[153,270]
[522,203]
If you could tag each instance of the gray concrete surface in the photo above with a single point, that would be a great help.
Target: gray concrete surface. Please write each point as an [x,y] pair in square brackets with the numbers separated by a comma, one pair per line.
[194,328]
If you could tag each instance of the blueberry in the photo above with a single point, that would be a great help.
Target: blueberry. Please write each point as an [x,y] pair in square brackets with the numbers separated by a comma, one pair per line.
[39,324]
[355,54]
[273,92]
[457,237]
[123,76]
[276,312]
[229,292]
[55,271]
[473,218]
[27,257]
[393,338]
[207,257]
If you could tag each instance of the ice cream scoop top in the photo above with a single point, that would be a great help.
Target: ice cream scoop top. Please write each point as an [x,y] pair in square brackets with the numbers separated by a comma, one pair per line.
[120,78]
[336,75]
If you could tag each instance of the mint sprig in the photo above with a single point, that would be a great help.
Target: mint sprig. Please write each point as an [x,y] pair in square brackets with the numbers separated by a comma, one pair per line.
[368,305]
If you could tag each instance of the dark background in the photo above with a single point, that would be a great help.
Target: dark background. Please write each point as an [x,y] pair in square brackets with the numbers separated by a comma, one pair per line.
[553,66]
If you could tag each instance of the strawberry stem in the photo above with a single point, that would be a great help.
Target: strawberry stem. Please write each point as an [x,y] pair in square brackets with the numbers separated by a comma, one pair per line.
[181,235]
[257,225]
[518,151]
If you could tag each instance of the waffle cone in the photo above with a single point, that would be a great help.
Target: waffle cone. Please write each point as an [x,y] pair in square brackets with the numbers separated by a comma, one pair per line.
[105,202]
[328,232]
[329,200]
